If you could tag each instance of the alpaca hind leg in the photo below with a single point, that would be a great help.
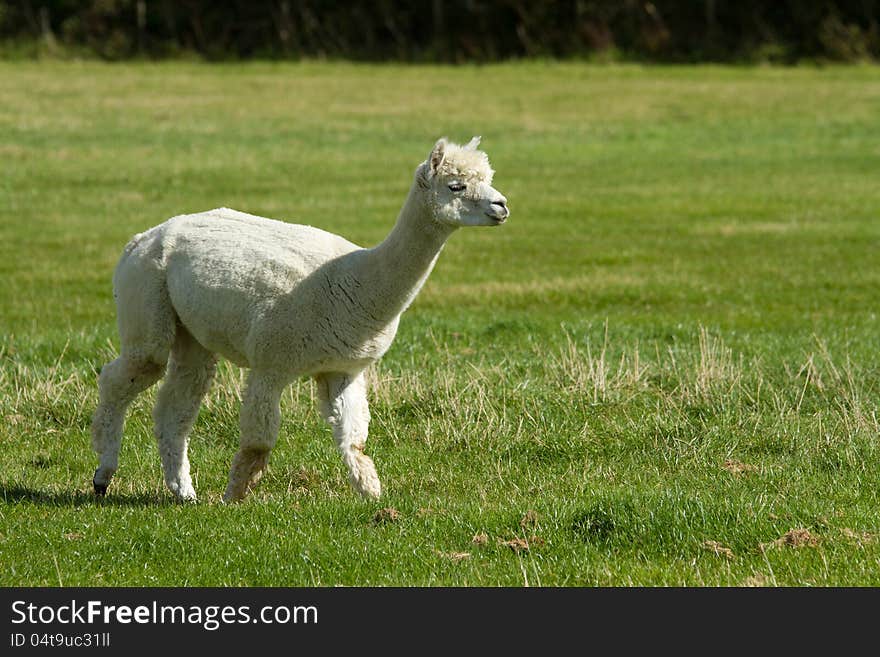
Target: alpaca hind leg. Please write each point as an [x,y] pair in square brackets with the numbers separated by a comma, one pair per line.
[343,400]
[260,419]
[190,371]
[146,322]
[119,383]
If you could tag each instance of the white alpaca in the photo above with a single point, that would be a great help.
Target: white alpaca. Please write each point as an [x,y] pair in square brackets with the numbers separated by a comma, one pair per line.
[284,300]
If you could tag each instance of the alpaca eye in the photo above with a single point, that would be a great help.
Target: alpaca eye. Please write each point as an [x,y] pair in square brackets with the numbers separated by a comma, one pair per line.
[457,187]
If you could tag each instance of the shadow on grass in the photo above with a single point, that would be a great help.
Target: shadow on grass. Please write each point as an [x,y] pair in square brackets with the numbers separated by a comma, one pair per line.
[13,494]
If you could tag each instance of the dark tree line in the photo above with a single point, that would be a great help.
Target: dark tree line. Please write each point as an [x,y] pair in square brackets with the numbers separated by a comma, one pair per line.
[454,30]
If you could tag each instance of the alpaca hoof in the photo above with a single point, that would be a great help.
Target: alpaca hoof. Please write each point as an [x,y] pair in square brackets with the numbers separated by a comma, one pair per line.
[184,495]
[184,492]
[365,480]
[101,480]
[372,493]
[234,494]
[229,498]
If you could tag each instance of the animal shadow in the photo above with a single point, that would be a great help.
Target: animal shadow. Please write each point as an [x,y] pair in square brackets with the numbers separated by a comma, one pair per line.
[18,494]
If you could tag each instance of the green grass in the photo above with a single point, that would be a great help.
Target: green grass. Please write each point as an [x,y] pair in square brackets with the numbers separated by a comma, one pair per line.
[665,362]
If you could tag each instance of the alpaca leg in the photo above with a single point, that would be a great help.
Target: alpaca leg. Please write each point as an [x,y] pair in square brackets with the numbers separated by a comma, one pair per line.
[190,370]
[344,405]
[146,322]
[260,419]
[119,383]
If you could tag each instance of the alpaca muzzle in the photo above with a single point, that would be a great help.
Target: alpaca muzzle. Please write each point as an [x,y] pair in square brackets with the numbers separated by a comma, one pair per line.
[499,211]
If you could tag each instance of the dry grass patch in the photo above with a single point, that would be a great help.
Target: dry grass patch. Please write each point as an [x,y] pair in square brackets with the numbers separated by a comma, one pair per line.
[516,544]
[738,468]
[860,538]
[756,580]
[718,549]
[793,538]
[386,515]
[529,520]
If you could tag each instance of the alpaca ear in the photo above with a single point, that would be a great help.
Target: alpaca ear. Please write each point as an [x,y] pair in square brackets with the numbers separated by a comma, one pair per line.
[472,144]
[435,159]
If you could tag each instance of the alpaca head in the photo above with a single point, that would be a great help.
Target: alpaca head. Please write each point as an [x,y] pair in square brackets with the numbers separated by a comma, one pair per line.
[457,182]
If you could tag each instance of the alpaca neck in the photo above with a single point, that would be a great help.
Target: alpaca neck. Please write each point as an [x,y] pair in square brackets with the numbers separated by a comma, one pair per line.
[394,271]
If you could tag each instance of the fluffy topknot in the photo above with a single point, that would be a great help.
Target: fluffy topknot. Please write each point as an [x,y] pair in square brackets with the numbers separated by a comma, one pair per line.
[452,160]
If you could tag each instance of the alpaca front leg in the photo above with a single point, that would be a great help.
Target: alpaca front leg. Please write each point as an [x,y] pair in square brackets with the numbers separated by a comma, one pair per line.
[344,405]
[190,371]
[260,419]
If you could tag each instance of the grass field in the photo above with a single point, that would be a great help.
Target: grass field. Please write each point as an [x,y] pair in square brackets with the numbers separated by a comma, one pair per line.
[663,370]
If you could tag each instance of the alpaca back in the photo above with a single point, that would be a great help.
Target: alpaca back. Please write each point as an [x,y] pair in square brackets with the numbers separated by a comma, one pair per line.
[225,270]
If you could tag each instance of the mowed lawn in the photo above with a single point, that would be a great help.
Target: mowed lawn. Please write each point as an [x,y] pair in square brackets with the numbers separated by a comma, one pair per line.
[663,370]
